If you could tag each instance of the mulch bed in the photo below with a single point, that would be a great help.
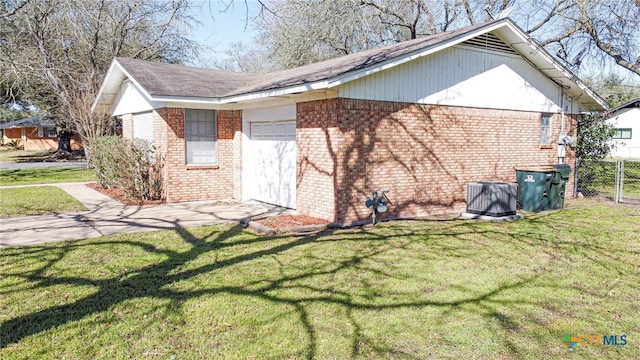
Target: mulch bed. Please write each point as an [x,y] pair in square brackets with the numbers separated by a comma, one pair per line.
[289,221]
[119,195]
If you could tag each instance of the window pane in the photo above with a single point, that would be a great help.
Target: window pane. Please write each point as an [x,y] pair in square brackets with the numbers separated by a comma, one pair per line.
[545,129]
[143,126]
[200,137]
[622,134]
[201,152]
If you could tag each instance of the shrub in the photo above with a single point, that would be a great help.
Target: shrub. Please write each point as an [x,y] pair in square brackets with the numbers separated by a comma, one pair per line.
[15,145]
[594,136]
[132,166]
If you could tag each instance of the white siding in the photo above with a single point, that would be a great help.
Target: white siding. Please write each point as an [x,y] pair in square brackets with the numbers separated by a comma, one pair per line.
[462,76]
[131,100]
[628,148]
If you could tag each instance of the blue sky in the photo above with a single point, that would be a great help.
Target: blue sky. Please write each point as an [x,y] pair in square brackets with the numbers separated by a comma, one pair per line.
[218,29]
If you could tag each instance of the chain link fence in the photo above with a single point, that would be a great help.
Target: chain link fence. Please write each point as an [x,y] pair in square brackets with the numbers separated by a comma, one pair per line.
[616,180]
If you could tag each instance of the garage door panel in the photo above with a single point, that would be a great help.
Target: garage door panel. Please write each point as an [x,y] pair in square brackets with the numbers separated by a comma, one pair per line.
[273,150]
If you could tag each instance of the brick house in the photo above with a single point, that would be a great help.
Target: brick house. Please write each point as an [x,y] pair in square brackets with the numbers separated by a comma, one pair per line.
[35,133]
[421,118]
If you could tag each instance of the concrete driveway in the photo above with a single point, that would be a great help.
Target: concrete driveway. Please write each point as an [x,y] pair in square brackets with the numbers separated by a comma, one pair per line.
[107,216]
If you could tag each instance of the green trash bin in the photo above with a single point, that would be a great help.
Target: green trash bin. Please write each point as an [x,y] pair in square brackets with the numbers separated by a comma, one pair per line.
[558,186]
[534,185]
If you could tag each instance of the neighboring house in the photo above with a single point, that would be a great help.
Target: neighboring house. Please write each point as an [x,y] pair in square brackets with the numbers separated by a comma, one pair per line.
[37,133]
[626,119]
[421,118]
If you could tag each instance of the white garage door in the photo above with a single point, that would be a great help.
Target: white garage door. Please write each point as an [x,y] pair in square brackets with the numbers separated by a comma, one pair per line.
[273,150]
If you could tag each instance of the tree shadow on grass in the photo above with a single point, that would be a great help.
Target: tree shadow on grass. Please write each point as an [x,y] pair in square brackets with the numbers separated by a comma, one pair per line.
[296,289]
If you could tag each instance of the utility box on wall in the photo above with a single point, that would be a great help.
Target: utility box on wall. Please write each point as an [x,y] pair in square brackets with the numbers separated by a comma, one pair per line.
[491,198]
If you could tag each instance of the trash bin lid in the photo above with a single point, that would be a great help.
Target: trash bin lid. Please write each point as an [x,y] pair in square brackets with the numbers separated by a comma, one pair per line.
[536,168]
[563,169]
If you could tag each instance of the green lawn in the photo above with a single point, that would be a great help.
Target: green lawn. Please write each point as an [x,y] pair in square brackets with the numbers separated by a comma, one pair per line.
[46,176]
[16,155]
[38,200]
[423,289]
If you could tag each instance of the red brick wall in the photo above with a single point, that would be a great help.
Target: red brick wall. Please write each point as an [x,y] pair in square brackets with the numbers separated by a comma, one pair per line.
[425,155]
[319,146]
[196,182]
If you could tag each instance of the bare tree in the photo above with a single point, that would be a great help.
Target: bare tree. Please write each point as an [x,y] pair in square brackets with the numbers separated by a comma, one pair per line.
[57,51]
[298,32]
[600,29]
[240,57]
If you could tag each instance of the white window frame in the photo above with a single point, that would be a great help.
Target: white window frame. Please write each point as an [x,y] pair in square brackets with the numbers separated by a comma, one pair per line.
[201,137]
[620,131]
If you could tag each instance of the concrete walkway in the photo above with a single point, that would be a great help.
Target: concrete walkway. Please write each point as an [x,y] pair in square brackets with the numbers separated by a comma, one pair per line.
[107,216]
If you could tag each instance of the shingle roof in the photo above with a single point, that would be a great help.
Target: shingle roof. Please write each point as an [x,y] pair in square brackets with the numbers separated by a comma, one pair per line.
[184,81]
[32,121]
[628,105]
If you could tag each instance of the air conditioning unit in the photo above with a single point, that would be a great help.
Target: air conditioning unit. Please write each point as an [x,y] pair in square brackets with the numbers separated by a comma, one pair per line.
[492,198]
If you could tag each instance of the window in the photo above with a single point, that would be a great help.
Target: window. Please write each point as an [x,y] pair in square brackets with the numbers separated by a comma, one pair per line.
[143,126]
[49,132]
[200,134]
[117,126]
[622,134]
[545,129]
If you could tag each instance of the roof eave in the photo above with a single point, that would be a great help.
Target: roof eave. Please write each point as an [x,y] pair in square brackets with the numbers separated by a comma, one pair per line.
[244,97]
[626,105]
[111,86]
[100,93]
[557,72]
